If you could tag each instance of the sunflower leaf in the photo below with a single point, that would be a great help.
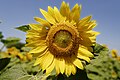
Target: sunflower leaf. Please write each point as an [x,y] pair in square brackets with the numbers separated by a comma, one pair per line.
[13,73]
[10,40]
[97,48]
[4,62]
[27,77]
[23,28]
[103,67]
[18,45]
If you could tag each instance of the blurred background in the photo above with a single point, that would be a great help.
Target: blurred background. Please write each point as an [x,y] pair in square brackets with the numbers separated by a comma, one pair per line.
[14,13]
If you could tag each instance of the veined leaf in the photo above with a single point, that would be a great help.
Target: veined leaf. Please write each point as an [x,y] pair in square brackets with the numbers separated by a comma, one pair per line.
[27,77]
[13,73]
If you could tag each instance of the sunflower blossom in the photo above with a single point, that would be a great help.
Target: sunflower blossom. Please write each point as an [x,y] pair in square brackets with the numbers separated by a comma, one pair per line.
[62,40]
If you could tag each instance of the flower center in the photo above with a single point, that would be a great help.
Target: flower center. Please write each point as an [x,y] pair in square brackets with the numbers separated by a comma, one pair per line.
[62,38]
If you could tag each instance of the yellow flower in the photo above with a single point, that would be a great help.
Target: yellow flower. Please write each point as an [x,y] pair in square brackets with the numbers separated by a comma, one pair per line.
[21,57]
[63,40]
[4,55]
[114,53]
[13,51]
[29,56]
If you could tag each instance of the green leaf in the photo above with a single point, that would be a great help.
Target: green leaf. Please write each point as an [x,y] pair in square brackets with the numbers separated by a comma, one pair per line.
[97,48]
[10,40]
[41,76]
[1,36]
[18,45]
[13,73]
[102,66]
[95,77]
[27,77]
[24,28]
[4,62]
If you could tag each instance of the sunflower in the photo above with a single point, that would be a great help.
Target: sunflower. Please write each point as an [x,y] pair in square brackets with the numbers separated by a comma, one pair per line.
[13,51]
[62,40]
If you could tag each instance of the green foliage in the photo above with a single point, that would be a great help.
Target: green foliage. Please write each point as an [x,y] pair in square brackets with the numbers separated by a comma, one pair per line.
[98,48]
[10,41]
[4,62]
[103,67]
[17,70]
[23,28]
[1,36]
[13,73]
[18,45]
[26,77]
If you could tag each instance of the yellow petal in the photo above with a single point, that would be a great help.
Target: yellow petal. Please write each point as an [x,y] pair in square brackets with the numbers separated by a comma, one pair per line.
[51,67]
[88,41]
[83,22]
[92,24]
[65,10]
[42,21]
[48,59]
[36,43]
[40,58]
[86,25]
[35,26]
[51,11]
[38,61]
[62,65]
[57,66]
[85,52]
[68,70]
[73,22]
[78,63]
[29,40]
[93,39]
[89,48]
[38,49]
[69,66]
[83,57]
[40,54]
[75,13]
[29,35]
[86,19]
[48,17]
[32,33]
[58,16]
[93,33]
[37,34]
[73,69]
[90,33]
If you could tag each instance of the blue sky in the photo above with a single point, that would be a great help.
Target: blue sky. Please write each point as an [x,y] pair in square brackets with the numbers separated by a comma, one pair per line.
[14,13]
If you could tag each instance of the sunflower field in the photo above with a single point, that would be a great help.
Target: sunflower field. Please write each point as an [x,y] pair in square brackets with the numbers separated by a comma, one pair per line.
[60,46]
